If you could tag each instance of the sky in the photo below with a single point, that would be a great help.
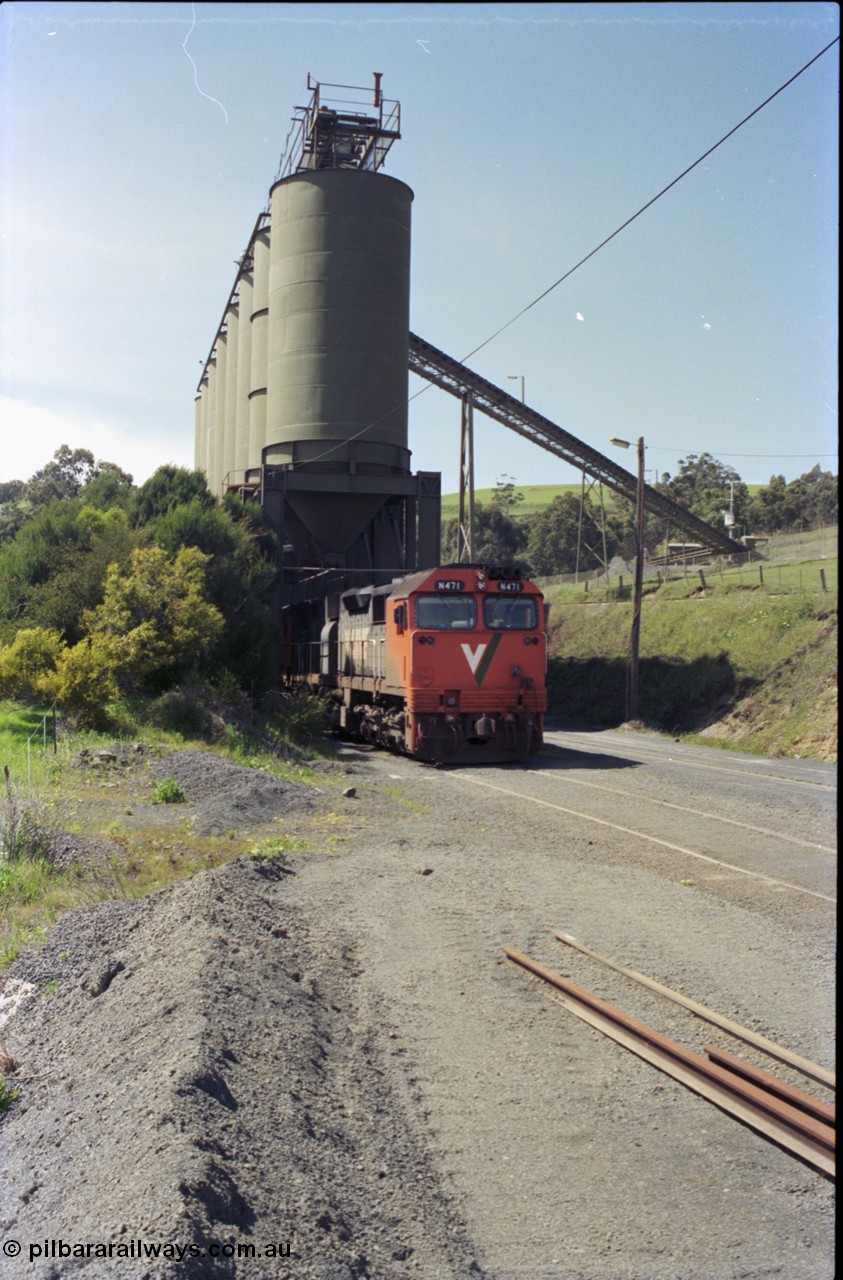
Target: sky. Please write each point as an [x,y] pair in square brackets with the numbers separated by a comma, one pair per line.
[138,143]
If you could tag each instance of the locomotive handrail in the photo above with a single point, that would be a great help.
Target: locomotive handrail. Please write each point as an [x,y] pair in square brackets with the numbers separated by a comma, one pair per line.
[452,376]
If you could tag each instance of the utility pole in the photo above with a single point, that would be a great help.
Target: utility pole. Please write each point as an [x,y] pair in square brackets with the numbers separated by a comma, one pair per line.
[637,591]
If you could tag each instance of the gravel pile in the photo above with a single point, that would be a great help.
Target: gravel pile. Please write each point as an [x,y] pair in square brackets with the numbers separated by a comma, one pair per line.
[200,1075]
[336,1066]
[68,847]
[230,796]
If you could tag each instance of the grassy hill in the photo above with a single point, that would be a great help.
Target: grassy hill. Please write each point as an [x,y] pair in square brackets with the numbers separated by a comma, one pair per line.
[742,657]
[536,497]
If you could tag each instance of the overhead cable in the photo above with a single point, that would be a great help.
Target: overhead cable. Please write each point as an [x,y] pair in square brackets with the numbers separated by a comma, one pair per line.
[651,202]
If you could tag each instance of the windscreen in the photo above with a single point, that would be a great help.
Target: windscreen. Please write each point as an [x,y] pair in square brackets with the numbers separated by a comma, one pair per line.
[446,613]
[505,613]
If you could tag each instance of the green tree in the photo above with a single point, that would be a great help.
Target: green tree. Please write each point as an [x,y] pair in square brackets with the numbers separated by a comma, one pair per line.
[155,623]
[55,567]
[708,488]
[498,539]
[63,477]
[242,568]
[167,488]
[504,494]
[553,535]
[772,507]
[110,487]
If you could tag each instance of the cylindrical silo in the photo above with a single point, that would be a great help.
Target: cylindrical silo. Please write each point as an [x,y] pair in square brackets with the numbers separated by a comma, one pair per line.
[339,289]
[219,413]
[200,404]
[210,398]
[244,379]
[232,324]
[259,347]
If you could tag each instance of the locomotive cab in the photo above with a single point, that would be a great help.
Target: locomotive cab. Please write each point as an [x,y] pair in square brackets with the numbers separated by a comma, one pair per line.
[473,655]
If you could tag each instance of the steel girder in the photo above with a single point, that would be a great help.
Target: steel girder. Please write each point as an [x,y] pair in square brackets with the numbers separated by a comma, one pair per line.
[452,376]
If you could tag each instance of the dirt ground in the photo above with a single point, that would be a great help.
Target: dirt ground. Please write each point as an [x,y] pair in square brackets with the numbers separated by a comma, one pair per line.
[325,1058]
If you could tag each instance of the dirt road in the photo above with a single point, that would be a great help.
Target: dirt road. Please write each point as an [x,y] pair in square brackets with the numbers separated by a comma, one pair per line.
[337,1053]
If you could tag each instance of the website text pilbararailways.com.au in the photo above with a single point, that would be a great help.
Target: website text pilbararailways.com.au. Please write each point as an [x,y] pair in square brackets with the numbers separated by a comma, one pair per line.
[144,1249]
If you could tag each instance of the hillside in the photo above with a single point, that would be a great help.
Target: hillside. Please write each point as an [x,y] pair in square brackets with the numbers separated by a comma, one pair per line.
[742,657]
[536,498]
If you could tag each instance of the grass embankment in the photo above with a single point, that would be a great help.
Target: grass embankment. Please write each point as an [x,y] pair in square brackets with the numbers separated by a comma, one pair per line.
[743,658]
[113,804]
[536,498]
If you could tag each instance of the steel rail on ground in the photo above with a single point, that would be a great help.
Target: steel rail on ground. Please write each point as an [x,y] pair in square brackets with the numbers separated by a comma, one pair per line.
[790,1127]
[773,1050]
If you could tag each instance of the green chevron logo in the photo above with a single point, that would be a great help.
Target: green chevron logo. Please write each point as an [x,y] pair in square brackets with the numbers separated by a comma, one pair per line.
[480,658]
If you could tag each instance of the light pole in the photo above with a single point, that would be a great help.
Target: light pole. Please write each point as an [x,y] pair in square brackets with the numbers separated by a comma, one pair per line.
[635,635]
[513,377]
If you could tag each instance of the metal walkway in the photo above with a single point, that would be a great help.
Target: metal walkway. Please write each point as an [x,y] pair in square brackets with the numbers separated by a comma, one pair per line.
[436,367]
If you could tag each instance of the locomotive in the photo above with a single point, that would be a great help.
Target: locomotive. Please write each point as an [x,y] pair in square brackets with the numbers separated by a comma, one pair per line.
[447,664]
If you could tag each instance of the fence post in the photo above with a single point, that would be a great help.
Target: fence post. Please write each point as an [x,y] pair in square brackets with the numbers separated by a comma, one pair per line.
[822,579]
[761,574]
[702,577]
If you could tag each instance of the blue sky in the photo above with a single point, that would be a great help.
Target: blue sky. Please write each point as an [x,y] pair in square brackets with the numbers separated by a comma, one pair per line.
[132,175]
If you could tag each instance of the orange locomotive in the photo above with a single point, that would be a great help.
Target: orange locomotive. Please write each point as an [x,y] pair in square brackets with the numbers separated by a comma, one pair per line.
[447,665]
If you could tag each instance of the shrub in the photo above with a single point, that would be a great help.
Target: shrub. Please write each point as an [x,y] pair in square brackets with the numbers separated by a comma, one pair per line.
[33,653]
[181,711]
[83,682]
[168,792]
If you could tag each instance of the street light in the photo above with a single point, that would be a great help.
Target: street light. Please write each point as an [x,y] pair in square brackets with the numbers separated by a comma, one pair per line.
[635,635]
[513,377]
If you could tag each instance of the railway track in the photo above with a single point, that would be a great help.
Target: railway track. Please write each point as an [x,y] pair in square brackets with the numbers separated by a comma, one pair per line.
[792,1119]
[640,834]
[715,823]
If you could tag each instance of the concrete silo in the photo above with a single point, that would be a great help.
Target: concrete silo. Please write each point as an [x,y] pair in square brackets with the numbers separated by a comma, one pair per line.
[259,347]
[310,404]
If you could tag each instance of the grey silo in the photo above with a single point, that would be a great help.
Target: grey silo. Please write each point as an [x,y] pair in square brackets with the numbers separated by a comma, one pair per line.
[259,347]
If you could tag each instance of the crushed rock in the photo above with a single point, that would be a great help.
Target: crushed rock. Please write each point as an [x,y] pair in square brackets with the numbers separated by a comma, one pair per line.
[202,1071]
[230,796]
[68,847]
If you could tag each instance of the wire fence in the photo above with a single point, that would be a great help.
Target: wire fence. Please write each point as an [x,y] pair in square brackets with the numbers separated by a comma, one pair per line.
[617,582]
[35,752]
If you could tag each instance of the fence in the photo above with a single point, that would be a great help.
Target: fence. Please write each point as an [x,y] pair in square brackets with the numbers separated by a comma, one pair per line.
[781,578]
[41,733]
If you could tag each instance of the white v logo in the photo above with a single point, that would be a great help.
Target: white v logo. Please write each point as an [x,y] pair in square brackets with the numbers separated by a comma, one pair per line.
[473,658]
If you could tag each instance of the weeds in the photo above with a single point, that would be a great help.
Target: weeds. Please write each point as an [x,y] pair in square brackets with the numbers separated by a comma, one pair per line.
[168,792]
[7,1095]
[24,833]
[277,846]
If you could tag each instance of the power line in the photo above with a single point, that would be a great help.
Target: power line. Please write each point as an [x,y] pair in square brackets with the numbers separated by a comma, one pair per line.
[602,245]
[651,202]
[663,448]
